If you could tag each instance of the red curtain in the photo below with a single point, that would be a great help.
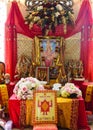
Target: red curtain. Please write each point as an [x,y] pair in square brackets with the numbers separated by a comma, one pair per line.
[15,24]
[89,62]
[86,53]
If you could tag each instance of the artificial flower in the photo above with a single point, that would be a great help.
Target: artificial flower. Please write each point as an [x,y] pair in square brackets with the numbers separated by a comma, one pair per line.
[36,18]
[25,86]
[57,87]
[59,7]
[57,14]
[49,14]
[39,8]
[70,89]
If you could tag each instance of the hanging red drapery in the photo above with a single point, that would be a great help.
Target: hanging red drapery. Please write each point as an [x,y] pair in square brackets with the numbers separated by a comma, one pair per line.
[15,24]
[89,73]
[11,49]
[87,40]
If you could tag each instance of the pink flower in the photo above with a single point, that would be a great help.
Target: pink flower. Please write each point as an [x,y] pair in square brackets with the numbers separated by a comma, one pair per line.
[24,89]
[69,89]
[40,88]
[25,86]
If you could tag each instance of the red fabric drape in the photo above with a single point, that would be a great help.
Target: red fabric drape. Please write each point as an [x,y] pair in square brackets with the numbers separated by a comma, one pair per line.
[87,41]
[89,62]
[11,49]
[15,24]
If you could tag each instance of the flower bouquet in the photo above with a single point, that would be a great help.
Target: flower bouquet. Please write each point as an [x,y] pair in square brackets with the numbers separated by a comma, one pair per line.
[57,87]
[70,90]
[49,14]
[25,87]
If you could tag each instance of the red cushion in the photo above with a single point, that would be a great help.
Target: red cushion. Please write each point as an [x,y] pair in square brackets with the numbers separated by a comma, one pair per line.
[45,127]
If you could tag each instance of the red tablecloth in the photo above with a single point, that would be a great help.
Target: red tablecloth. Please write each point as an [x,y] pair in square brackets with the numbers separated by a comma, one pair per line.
[78,82]
[88,105]
[83,87]
[10,88]
[14,111]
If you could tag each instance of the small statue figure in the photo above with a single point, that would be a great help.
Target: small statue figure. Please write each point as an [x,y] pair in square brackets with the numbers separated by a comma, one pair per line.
[81,69]
[22,67]
[70,65]
[7,78]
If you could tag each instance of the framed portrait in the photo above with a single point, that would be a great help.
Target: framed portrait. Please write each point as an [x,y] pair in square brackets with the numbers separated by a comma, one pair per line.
[45,107]
[49,52]
[42,73]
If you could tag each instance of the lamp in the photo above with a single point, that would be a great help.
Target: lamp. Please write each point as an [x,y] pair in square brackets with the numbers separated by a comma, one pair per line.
[49,13]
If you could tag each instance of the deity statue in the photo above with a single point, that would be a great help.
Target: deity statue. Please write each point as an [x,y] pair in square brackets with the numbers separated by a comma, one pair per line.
[22,66]
[80,69]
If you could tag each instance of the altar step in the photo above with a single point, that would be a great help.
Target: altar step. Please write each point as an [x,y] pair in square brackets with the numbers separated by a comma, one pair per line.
[91,128]
[32,129]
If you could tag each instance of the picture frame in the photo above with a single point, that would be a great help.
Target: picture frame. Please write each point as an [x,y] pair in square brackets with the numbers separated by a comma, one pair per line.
[47,49]
[49,52]
[42,73]
[44,107]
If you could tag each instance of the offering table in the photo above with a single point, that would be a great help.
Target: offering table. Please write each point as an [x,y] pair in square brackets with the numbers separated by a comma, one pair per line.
[87,93]
[71,112]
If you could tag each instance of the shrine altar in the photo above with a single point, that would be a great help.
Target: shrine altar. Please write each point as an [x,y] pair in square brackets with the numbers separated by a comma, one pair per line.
[71,113]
